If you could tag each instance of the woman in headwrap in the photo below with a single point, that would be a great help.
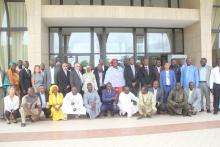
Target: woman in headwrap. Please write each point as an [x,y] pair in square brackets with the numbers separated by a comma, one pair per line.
[55,102]
[13,77]
[115,75]
[89,77]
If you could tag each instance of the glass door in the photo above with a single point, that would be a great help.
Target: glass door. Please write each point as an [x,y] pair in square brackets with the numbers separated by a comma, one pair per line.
[77,45]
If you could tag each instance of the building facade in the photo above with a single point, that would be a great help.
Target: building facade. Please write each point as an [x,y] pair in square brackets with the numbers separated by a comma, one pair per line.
[86,30]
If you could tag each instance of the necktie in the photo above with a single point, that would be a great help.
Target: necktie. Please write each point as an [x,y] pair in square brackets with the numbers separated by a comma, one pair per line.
[27,72]
[133,70]
[1,80]
[79,74]
[65,72]
[147,70]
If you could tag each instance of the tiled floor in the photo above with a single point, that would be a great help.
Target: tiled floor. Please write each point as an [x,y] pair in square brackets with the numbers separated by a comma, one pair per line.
[163,130]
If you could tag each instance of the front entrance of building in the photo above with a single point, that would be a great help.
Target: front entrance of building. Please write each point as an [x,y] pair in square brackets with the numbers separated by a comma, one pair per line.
[87,45]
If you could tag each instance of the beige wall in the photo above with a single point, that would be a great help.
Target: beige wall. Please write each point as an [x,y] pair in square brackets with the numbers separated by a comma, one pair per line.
[197,37]
[74,15]
[38,34]
[196,23]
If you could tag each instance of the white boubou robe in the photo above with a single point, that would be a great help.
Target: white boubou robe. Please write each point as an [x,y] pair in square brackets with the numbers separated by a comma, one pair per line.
[71,102]
[126,105]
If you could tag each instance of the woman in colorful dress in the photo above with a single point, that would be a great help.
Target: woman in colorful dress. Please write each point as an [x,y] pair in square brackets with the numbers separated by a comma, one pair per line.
[55,102]
[13,77]
[89,77]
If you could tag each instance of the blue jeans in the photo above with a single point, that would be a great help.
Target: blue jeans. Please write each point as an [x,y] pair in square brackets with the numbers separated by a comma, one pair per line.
[167,90]
[109,107]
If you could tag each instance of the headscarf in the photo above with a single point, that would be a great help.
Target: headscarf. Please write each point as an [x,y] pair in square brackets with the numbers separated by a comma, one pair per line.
[113,61]
[52,87]
[10,64]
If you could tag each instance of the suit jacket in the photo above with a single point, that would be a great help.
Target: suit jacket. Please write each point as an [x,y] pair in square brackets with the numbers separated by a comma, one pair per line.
[196,98]
[105,69]
[129,77]
[163,79]
[25,80]
[157,73]
[2,74]
[96,73]
[75,80]
[145,78]
[159,95]
[47,77]
[63,81]
[177,72]
[208,72]
[46,96]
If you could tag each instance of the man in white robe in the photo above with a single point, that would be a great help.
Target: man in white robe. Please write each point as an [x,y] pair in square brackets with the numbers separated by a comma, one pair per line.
[73,103]
[194,98]
[92,101]
[126,103]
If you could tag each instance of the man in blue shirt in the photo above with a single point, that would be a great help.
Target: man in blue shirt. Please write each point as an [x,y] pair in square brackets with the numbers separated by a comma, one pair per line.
[204,76]
[43,99]
[189,73]
[109,100]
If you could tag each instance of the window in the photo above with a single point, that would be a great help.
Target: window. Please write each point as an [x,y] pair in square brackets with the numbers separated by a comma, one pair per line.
[179,41]
[3,15]
[97,2]
[88,45]
[119,40]
[118,2]
[76,2]
[79,40]
[98,38]
[3,49]
[17,14]
[147,3]
[156,3]
[13,45]
[54,40]
[18,46]
[140,47]
[216,37]
[137,2]
[159,40]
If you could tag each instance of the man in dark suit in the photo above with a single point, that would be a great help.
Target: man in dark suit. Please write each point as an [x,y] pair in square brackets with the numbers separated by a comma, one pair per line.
[44,97]
[159,95]
[100,77]
[63,79]
[176,68]
[146,74]
[157,69]
[76,77]
[25,79]
[104,67]
[50,75]
[131,76]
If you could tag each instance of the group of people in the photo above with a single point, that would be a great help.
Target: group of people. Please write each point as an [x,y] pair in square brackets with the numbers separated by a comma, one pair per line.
[61,91]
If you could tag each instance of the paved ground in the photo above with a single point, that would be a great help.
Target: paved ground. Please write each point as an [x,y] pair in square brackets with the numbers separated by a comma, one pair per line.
[202,130]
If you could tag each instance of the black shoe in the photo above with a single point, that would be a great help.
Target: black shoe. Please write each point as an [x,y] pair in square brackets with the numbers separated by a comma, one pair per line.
[8,122]
[202,110]
[140,117]
[208,111]
[23,124]
[215,112]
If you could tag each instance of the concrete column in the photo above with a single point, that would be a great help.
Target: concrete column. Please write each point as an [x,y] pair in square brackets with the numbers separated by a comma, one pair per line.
[38,34]
[197,37]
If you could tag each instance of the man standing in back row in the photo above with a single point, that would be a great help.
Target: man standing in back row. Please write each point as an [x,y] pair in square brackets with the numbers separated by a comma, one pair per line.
[50,75]
[25,79]
[204,76]
[215,85]
[189,73]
